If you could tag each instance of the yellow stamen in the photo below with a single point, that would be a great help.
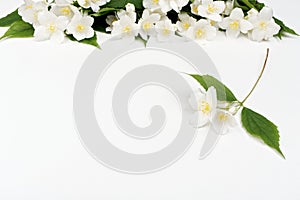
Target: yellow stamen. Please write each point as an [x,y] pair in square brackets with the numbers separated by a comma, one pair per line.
[234,25]
[66,11]
[211,8]
[28,6]
[166,31]
[147,26]
[127,29]
[262,25]
[222,117]
[195,9]
[205,107]
[199,33]
[80,27]
[155,1]
[52,28]
[186,25]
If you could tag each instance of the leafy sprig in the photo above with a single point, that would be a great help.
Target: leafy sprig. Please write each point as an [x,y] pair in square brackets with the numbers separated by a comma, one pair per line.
[254,123]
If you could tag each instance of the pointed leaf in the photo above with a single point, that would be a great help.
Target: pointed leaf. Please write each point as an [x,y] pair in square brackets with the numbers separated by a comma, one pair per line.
[260,127]
[10,19]
[19,29]
[223,92]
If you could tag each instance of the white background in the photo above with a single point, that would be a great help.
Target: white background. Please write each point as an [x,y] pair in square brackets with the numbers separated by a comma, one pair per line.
[41,156]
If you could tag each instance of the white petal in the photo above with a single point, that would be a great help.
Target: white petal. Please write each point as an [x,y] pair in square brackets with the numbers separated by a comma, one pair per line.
[211,33]
[215,17]
[237,14]
[220,6]
[225,23]
[245,26]
[266,14]
[199,120]
[58,37]
[41,33]
[257,35]
[232,33]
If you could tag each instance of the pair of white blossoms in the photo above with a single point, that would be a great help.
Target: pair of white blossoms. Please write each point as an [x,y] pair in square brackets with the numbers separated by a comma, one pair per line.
[209,111]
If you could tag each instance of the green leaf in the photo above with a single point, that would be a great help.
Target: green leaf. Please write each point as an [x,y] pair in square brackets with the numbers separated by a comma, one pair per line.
[19,29]
[90,41]
[223,92]
[100,24]
[283,29]
[10,19]
[260,127]
[104,11]
[122,3]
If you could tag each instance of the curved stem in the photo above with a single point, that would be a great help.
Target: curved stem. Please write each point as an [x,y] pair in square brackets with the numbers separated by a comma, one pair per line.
[260,75]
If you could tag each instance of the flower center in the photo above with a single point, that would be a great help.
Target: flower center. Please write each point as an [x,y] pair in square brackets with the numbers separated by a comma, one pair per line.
[222,117]
[234,25]
[186,25]
[211,8]
[79,27]
[166,31]
[127,29]
[195,9]
[155,1]
[205,107]
[212,23]
[262,25]
[66,11]
[147,26]
[52,28]
[199,33]
[86,2]
[29,7]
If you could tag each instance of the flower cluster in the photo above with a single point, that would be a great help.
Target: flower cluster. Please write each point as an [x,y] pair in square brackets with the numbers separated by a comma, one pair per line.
[209,111]
[53,20]
[198,19]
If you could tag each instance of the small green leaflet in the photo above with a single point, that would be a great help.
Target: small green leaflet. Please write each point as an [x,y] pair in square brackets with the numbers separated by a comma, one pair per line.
[284,29]
[122,3]
[223,92]
[91,41]
[10,19]
[19,29]
[260,127]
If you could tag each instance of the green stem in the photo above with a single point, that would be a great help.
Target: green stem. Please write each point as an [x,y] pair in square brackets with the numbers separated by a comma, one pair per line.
[260,75]
[247,3]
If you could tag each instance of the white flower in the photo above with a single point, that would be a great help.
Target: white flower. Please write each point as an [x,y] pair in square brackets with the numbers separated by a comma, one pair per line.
[81,27]
[165,30]
[151,4]
[264,25]
[204,105]
[185,22]
[167,5]
[202,30]
[211,9]
[228,7]
[125,28]
[194,6]
[146,24]
[30,10]
[235,23]
[94,4]
[50,27]
[130,12]
[64,8]
[110,19]
[222,121]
